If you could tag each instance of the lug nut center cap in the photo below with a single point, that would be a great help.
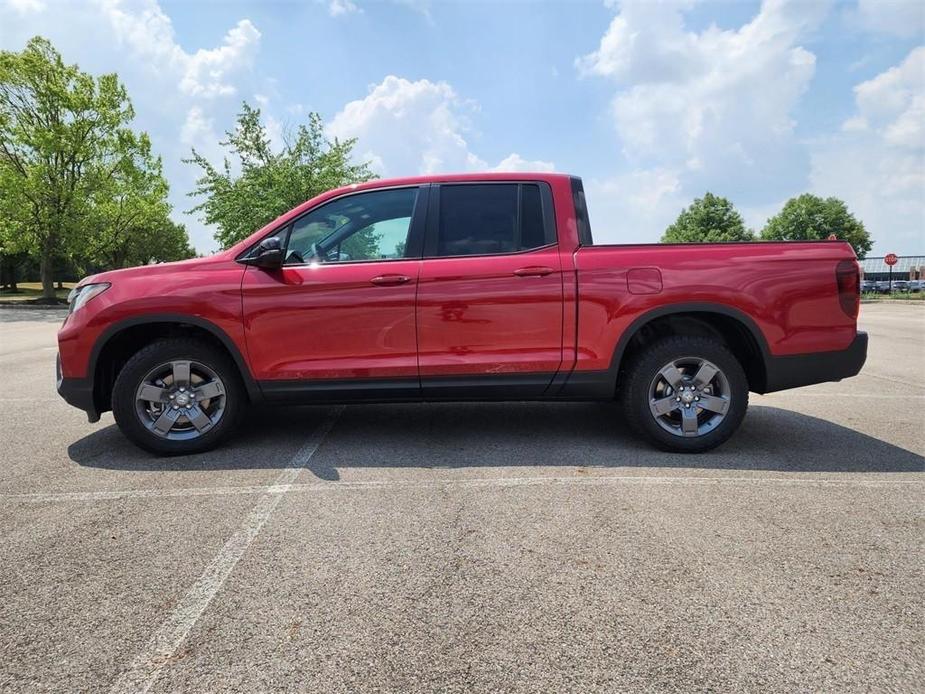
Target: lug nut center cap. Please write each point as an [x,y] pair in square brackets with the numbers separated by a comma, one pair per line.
[687,396]
[183,399]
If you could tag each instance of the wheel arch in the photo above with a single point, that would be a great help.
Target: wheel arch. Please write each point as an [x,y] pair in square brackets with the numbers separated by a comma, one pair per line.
[119,341]
[734,327]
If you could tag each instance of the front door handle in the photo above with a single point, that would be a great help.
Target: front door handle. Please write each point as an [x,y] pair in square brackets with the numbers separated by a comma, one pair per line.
[390,280]
[534,271]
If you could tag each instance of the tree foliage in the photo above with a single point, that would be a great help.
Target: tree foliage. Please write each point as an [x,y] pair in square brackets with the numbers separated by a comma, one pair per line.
[808,217]
[710,219]
[75,180]
[131,216]
[262,183]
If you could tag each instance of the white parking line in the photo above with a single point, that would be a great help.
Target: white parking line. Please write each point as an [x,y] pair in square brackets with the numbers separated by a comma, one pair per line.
[278,488]
[871,396]
[147,665]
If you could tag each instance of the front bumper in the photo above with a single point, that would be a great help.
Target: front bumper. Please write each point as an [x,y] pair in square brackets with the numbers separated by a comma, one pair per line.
[798,370]
[77,392]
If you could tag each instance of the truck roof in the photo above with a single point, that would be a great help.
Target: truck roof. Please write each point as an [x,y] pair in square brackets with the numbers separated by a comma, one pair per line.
[453,178]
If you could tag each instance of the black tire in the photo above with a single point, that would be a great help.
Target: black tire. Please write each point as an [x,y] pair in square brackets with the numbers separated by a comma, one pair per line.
[640,376]
[149,358]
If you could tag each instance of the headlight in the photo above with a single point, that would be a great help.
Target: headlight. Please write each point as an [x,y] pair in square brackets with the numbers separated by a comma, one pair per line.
[81,295]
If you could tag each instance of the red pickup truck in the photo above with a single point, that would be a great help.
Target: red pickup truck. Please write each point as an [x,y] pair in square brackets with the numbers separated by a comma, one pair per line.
[464,287]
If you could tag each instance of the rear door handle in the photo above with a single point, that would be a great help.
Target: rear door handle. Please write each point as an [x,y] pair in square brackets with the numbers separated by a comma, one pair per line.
[534,271]
[390,280]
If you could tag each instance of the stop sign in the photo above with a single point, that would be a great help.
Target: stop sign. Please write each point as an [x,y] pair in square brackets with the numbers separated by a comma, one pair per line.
[890,259]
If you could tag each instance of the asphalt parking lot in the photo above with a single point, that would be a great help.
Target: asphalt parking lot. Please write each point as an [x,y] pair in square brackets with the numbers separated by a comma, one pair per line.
[516,547]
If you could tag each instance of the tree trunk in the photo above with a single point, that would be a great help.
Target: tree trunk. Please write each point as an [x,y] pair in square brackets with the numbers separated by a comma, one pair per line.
[46,269]
[8,268]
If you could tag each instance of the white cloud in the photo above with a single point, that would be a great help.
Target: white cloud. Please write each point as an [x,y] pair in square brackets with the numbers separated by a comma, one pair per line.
[197,128]
[899,17]
[406,127]
[515,162]
[877,163]
[635,207]
[716,102]
[26,6]
[148,32]
[893,102]
[421,6]
[336,8]
[409,126]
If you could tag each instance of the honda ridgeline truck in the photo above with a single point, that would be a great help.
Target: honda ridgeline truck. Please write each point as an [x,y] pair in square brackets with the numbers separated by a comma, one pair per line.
[478,287]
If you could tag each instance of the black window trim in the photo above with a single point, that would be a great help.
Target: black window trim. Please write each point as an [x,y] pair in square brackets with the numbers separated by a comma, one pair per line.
[582,220]
[546,201]
[414,248]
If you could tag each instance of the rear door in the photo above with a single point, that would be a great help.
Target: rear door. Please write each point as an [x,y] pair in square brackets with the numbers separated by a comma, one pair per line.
[489,306]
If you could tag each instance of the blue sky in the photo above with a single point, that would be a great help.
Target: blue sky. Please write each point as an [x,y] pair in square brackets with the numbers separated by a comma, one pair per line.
[652,103]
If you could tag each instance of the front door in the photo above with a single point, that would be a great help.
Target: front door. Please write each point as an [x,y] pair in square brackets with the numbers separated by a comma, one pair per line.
[338,318]
[489,309]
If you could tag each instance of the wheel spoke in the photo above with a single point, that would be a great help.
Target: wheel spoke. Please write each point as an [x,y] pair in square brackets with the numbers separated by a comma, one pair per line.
[704,375]
[714,403]
[180,373]
[152,393]
[199,419]
[165,422]
[672,376]
[663,406]
[689,421]
[208,390]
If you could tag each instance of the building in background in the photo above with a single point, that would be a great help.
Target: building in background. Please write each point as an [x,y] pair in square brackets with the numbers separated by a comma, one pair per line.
[909,267]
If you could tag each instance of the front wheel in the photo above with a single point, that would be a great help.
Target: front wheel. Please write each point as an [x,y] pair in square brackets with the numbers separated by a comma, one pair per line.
[685,394]
[178,396]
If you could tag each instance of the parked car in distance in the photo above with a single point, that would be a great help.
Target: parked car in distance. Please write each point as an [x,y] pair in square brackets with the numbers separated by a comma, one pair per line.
[464,287]
[900,285]
[916,285]
[868,286]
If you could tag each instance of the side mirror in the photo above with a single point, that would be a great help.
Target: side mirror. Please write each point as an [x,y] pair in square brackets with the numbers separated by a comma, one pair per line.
[269,254]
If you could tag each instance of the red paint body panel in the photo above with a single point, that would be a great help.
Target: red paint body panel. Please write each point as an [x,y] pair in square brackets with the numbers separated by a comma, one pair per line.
[788,289]
[476,315]
[330,321]
[204,288]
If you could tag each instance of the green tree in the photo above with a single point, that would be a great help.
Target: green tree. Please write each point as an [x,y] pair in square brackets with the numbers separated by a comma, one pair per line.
[710,219]
[66,153]
[131,216]
[265,183]
[808,217]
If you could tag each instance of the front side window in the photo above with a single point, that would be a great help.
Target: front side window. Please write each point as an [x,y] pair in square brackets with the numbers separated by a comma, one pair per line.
[364,226]
[485,219]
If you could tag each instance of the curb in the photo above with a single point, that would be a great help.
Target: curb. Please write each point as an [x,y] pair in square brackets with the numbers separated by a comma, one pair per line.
[902,302]
[22,306]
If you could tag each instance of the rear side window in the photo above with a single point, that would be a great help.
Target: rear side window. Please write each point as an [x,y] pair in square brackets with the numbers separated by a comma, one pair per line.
[487,219]
[581,213]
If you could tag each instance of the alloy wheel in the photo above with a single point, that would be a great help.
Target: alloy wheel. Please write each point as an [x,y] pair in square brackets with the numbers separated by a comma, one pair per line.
[689,397]
[180,400]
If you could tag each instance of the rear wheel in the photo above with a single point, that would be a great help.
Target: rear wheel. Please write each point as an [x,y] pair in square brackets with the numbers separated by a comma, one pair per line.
[685,394]
[178,396]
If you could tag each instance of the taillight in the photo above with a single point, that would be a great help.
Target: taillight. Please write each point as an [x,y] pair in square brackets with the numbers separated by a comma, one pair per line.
[848,277]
